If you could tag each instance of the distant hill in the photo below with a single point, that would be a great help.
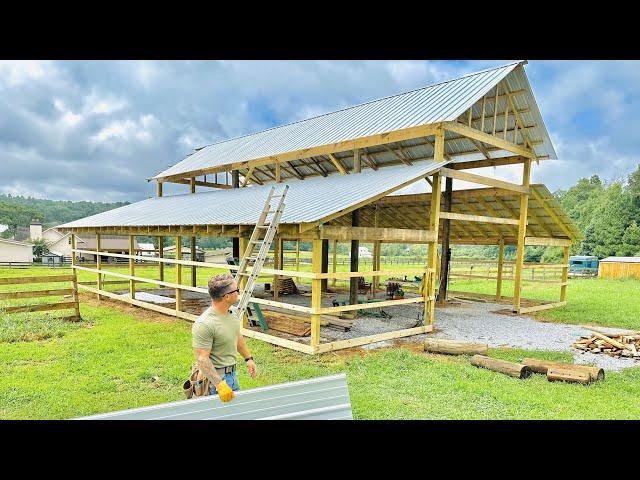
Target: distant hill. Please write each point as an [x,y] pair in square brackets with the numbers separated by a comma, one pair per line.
[17,211]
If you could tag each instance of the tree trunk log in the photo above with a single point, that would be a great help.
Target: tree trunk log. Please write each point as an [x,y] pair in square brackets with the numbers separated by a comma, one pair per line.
[452,347]
[557,374]
[542,366]
[516,370]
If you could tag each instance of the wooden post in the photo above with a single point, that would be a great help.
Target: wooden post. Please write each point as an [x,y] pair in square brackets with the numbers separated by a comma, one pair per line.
[355,247]
[159,190]
[194,273]
[500,269]
[178,251]
[278,173]
[356,161]
[277,265]
[565,274]
[235,241]
[446,229]
[522,230]
[243,244]
[99,261]
[325,263]
[335,261]
[298,257]
[192,184]
[316,294]
[161,255]
[75,278]
[434,218]
[132,268]
[377,248]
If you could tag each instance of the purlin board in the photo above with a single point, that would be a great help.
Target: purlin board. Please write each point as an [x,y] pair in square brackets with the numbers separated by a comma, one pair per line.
[323,398]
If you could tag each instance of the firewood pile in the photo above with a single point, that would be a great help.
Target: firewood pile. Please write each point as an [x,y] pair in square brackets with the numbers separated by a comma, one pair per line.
[620,345]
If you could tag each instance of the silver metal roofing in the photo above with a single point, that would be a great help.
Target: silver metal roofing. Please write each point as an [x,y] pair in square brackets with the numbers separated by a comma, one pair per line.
[307,201]
[621,259]
[324,398]
[441,102]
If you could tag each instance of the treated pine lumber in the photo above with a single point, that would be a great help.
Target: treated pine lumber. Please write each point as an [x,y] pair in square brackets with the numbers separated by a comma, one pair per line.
[572,375]
[610,341]
[43,279]
[40,307]
[287,325]
[542,366]
[512,369]
[453,347]
[36,293]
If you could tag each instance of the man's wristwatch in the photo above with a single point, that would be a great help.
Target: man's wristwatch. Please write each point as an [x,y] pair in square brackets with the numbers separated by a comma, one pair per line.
[248,358]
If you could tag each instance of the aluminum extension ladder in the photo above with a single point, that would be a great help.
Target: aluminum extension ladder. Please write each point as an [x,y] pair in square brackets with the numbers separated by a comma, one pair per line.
[258,248]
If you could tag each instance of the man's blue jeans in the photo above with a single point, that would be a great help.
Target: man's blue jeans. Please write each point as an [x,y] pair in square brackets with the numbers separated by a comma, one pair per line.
[232,381]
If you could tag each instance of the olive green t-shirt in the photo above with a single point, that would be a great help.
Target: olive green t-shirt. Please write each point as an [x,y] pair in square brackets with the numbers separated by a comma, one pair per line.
[220,334]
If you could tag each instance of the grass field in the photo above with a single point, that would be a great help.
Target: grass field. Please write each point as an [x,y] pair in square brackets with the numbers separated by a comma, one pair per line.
[123,357]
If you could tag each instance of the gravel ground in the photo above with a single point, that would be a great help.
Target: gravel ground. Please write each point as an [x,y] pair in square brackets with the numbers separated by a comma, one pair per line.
[465,321]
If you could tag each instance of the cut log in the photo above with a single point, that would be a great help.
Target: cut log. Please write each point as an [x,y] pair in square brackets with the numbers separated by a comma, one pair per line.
[572,375]
[542,366]
[452,347]
[516,370]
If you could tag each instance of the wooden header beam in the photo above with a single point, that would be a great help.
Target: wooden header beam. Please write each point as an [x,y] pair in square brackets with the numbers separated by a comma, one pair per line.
[488,139]
[472,177]
[546,242]
[477,218]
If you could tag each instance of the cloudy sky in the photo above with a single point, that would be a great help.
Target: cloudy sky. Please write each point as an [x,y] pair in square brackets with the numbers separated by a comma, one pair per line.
[95,130]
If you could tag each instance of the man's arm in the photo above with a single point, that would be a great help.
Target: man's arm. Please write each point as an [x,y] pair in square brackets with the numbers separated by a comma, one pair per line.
[206,367]
[244,351]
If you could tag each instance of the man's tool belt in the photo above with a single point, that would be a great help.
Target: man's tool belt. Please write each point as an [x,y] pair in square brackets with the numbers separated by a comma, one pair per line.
[229,369]
[197,385]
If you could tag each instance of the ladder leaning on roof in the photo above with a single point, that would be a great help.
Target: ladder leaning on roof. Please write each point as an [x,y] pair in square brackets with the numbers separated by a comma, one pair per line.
[268,225]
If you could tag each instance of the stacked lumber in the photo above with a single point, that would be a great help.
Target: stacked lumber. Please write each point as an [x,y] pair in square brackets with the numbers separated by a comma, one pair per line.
[564,372]
[285,285]
[619,345]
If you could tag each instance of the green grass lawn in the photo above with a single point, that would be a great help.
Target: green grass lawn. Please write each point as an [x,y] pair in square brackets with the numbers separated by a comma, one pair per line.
[124,357]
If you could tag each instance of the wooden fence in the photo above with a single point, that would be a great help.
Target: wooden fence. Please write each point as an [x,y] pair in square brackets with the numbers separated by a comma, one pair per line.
[41,307]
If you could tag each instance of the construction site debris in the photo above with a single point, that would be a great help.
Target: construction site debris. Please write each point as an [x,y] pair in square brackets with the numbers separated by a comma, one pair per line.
[618,345]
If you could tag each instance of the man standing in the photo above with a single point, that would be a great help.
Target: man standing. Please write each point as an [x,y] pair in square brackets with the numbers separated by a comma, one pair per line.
[216,339]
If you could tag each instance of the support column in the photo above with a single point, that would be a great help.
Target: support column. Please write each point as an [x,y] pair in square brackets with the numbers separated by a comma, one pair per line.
[194,273]
[316,294]
[356,161]
[159,189]
[243,244]
[565,274]
[434,222]
[277,265]
[335,261]
[355,246]
[298,257]
[74,282]
[235,242]
[278,173]
[446,232]
[99,262]
[325,262]
[500,269]
[132,268]
[161,255]
[377,248]
[178,273]
[522,230]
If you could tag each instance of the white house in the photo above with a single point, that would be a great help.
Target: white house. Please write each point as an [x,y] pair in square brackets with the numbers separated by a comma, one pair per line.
[364,252]
[12,251]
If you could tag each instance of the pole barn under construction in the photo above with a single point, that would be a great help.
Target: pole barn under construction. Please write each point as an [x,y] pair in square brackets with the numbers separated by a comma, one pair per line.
[343,169]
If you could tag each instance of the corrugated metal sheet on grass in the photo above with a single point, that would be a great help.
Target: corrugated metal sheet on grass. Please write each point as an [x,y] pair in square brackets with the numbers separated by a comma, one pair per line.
[324,398]
[441,102]
[307,201]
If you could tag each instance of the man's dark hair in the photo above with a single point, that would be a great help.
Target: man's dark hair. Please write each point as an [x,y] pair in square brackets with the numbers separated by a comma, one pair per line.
[219,285]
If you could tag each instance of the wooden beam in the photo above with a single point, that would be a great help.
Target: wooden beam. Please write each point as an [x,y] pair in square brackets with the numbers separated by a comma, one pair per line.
[397,155]
[429,282]
[248,176]
[477,218]
[472,177]
[380,337]
[178,274]
[347,145]
[200,183]
[192,184]
[357,167]
[337,163]
[565,273]
[545,306]
[546,242]
[159,189]
[132,284]
[278,173]
[551,213]
[500,270]
[371,234]
[488,139]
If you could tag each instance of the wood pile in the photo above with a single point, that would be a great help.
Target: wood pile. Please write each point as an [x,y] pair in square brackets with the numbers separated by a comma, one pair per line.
[619,345]
[564,372]
[285,285]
